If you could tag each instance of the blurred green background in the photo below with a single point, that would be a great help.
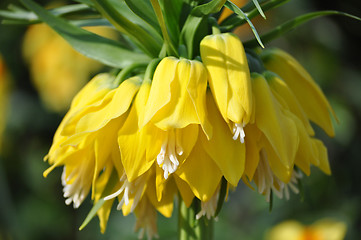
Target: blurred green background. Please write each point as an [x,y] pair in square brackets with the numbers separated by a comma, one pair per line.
[32,207]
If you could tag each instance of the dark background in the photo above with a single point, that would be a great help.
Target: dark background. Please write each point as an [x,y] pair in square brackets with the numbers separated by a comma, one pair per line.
[32,207]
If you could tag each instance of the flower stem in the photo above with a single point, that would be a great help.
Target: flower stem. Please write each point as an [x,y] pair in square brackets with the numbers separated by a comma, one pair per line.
[190,228]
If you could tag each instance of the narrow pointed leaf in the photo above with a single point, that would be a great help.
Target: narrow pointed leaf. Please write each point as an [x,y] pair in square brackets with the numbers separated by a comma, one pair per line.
[294,23]
[118,13]
[238,11]
[259,8]
[172,13]
[235,20]
[144,10]
[107,51]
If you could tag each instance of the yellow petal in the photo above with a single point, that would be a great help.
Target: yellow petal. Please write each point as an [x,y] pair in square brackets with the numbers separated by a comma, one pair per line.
[184,190]
[177,95]
[103,148]
[104,212]
[132,140]
[308,93]
[229,76]
[279,129]
[94,90]
[229,155]
[322,157]
[305,152]
[165,206]
[119,104]
[278,168]
[201,173]
[281,91]
[253,149]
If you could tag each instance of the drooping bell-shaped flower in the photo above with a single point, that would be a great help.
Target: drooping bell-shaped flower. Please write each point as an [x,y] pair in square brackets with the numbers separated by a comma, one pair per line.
[307,92]
[229,79]
[86,141]
[176,106]
[282,138]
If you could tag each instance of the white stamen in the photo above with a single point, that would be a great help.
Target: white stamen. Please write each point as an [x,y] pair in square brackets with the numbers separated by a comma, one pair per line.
[238,131]
[129,190]
[75,190]
[267,181]
[167,157]
[209,208]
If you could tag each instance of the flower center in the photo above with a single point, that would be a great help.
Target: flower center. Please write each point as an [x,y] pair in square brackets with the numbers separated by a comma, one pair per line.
[209,208]
[135,189]
[167,158]
[267,181]
[75,187]
[238,132]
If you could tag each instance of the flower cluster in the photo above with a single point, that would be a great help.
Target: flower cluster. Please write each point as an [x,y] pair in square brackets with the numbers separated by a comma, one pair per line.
[194,123]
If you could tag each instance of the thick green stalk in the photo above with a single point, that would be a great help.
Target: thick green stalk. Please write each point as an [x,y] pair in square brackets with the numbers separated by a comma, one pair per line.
[190,228]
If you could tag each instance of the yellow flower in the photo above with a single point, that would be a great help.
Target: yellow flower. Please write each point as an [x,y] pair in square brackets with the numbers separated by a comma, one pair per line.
[176,105]
[325,229]
[307,92]
[4,95]
[281,138]
[86,140]
[229,79]
[57,70]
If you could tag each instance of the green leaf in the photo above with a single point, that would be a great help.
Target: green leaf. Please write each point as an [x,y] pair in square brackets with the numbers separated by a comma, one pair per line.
[118,13]
[87,2]
[172,13]
[113,179]
[194,29]
[294,23]
[208,8]
[238,11]
[91,22]
[23,16]
[144,10]
[250,5]
[259,8]
[170,48]
[196,25]
[107,51]
[235,20]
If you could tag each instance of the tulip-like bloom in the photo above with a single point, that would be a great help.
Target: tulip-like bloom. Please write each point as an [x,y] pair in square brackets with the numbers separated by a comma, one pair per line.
[324,229]
[86,140]
[169,135]
[229,79]
[307,92]
[281,139]
[177,105]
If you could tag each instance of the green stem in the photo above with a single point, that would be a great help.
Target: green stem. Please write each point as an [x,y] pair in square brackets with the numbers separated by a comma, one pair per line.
[123,74]
[190,228]
[168,43]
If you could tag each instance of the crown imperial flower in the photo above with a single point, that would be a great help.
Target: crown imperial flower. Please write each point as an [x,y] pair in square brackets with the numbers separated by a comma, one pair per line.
[229,79]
